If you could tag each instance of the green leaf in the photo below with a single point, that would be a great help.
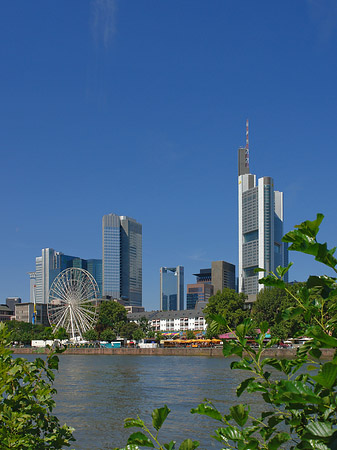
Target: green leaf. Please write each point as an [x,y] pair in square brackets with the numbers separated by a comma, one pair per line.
[291,312]
[264,326]
[333,441]
[129,422]
[315,352]
[170,445]
[326,284]
[230,432]
[207,410]
[219,319]
[158,416]
[311,228]
[239,414]
[296,392]
[271,280]
[319,429]
[231,348]
[140,439]
[188,444]
[242,387]
[317,333]
[240,330]
[243,364]
[327,375]
[277,440]
[281,271]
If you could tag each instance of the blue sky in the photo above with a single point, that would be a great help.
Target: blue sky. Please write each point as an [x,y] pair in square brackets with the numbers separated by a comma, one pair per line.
[138,108]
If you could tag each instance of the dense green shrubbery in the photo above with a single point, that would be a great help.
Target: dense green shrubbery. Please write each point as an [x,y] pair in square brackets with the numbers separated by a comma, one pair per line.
[26,419]
[301,403]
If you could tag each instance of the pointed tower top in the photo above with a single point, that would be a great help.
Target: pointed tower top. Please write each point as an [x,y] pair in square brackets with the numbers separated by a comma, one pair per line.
[247,134]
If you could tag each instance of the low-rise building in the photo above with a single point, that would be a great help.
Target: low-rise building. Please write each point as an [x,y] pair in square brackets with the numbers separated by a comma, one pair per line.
[174,321]
[5,313]
[24,313]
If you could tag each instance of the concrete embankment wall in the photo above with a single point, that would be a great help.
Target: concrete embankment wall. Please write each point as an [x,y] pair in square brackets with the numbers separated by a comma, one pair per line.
[217,352]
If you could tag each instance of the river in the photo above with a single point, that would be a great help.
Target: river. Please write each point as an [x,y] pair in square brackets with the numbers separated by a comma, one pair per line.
[96,393]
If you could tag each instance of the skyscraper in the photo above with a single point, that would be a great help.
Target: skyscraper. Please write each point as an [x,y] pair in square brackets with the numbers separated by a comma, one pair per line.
[50,264]
[260,226]
[171,288]
[122,258]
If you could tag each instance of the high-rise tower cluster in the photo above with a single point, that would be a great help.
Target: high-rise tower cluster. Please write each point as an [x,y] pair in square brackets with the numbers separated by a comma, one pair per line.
[118,274]
[260,226]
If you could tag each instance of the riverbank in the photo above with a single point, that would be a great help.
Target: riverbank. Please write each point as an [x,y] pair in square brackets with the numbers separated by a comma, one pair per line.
[216,352]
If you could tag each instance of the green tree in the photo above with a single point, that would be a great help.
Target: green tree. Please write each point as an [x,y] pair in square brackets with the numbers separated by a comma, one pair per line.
[138,334]
[111,315]
[26,405]
[61,334]
[229,304]
[144,325]
[190,334]
[159,336]
[90,335]
[128,329]
[108,335]
[270,303]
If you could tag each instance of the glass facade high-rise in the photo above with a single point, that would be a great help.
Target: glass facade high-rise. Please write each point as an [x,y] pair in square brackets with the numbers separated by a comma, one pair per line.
[260,227]
[122,258]
[50,264]
[171,288]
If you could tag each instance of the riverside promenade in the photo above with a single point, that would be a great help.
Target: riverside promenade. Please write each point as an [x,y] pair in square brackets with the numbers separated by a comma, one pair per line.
[212,351]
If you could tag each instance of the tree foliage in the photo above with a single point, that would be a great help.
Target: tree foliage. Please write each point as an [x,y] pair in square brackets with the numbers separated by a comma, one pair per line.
[228,304]
[24,333]
[111,315]
[269,305]
[299,395]
[108,335]
[26,419]
[90,335]
[129,329]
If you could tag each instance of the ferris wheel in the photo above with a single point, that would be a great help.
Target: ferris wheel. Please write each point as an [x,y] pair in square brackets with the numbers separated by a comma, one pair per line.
[73,302]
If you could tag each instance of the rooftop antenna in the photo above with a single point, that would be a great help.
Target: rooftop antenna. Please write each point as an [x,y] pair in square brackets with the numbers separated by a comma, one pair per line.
[247,144]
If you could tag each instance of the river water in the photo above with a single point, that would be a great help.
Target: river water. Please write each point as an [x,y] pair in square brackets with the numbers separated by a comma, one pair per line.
[96,393]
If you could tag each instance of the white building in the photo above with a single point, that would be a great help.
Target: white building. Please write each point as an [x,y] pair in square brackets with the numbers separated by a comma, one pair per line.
[260,227]
[174,321]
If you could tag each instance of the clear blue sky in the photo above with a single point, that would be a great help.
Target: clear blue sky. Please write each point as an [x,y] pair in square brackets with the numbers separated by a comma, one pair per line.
[138,107]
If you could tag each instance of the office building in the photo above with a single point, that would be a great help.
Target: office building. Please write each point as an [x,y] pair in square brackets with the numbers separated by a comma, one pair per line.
[209,282]
[122,258]
[11,302]
[260,226]
[50,264]
[198,292]
[223,275]
[171,288]
[204,276]
[24,313]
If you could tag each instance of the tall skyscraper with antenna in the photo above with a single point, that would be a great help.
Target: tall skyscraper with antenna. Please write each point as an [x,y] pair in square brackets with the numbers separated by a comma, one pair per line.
[260,226]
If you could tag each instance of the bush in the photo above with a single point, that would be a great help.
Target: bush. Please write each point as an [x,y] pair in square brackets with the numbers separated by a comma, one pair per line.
[26,419]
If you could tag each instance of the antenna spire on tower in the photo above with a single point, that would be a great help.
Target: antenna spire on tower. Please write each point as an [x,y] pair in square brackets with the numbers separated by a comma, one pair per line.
[247,145]
[247,134]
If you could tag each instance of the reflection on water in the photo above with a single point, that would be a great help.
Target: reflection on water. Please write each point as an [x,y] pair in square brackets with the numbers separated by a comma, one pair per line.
[96,393]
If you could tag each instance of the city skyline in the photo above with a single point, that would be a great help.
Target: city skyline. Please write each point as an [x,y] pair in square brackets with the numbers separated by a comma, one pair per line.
[141,112]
